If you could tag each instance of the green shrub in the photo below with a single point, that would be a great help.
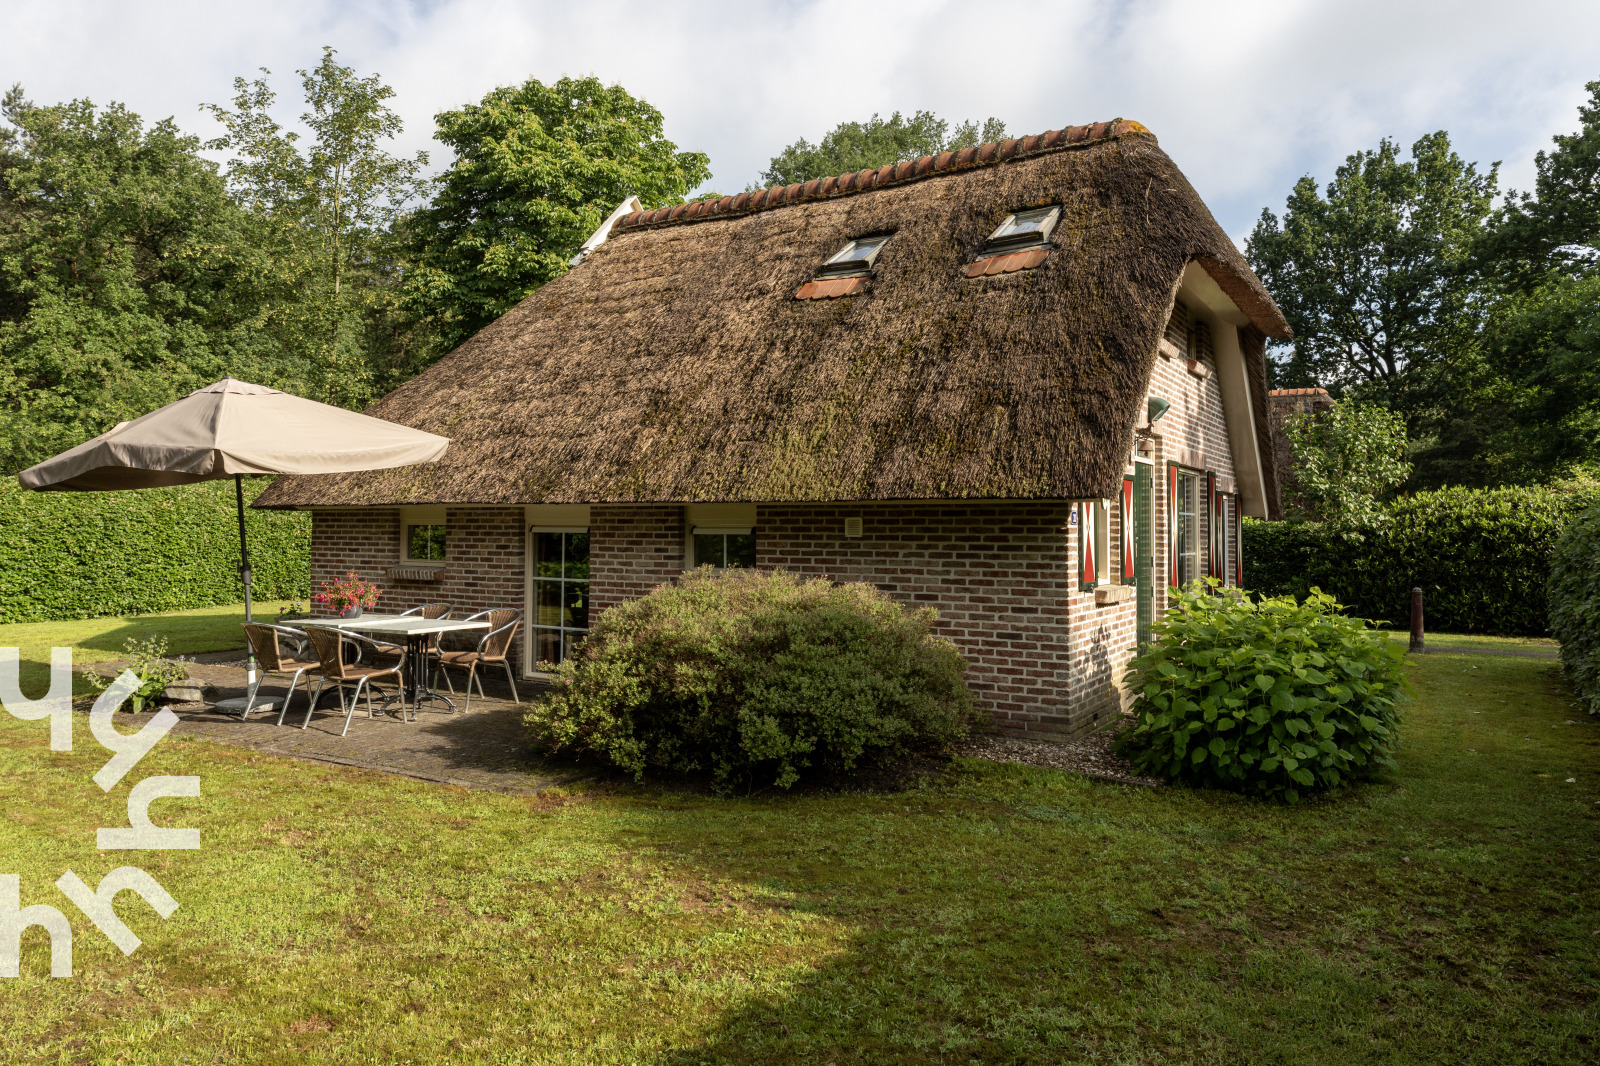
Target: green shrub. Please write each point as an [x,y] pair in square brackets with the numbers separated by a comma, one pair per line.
[1575,603]
[96,554]
[756,677]
[1480,556]
[1268,697]
[148,661]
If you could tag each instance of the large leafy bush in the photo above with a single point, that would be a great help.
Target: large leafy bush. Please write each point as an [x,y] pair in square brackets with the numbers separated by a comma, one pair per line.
[1575,603]
[756,678]
[1481,557]
[1273,697]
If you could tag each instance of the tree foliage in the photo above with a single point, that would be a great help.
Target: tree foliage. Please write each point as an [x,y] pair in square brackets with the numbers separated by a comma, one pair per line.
[122,273]
[1527,408]
[1556,228]
[324,220]
[852,146]
[536,170]
[1372,274]
[1345,461]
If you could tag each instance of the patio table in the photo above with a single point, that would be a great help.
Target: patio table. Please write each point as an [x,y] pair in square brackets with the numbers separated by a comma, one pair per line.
[416,631]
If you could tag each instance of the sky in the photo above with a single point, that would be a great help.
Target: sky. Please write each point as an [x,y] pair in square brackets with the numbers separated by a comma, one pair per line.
[1246,97]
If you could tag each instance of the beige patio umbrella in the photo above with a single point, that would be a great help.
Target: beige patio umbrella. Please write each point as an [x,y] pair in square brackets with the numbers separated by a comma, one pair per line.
[233,429]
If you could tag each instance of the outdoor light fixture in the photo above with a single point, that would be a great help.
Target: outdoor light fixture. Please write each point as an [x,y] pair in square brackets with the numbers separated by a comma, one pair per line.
[1158,407]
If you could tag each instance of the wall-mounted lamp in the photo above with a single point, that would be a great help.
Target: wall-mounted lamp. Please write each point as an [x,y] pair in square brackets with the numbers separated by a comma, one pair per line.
[1157,407]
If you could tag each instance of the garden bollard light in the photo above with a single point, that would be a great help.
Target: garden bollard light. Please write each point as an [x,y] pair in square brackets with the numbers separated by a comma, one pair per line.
[1416,620]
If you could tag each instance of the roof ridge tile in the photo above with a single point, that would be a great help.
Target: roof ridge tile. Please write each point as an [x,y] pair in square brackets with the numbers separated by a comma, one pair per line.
[890,173]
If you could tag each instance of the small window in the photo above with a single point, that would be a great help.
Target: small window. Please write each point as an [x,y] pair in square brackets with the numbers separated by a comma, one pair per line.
[1024,229]
[723,548]
[854,259]
[425,543]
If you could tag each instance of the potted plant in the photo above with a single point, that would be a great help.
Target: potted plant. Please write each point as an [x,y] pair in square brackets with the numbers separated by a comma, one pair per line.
[157,674]
[293,612]
[348,596]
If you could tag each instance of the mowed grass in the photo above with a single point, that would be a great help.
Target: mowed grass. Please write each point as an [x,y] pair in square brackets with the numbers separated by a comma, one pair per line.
[98,640]
[1449,914]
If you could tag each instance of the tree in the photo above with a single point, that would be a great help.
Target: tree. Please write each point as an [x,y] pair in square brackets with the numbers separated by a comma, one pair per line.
[1345,460]
[1373,277]
[326,222]
[1528,408]
[537,168]
[852,146]
[1555,229]
[122,262]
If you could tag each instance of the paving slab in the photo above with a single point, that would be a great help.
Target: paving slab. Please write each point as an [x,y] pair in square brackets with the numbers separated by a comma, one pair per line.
[485,748]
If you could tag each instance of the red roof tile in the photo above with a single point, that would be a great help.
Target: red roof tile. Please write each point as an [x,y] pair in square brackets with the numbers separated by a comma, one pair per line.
[892,173]
[1007,263]
[1298,392]
[828,288]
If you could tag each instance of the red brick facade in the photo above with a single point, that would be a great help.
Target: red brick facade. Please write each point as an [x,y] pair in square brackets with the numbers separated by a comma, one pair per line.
[485,567]
[631,551]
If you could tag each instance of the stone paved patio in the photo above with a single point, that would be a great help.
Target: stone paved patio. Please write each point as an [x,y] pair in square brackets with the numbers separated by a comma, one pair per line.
[484,749]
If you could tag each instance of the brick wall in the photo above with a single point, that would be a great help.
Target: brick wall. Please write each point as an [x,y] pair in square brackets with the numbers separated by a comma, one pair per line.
[1001,577]
[484,568]
[632,550]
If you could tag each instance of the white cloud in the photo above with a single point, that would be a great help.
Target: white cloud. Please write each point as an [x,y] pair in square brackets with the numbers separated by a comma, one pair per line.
[1246,96]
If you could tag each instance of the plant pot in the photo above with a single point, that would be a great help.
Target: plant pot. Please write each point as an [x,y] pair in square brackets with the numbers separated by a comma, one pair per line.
[352,611]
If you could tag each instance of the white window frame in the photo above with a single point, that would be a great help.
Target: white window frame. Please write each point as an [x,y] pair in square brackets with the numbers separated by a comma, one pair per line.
[422,516]
[837,266]
[529,655]
[997,244]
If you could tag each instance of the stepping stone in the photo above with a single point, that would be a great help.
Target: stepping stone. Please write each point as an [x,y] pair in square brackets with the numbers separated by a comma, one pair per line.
[236,705]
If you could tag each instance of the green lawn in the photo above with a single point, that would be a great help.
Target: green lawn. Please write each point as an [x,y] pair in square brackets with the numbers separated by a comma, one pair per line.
[1467,641]
[1007,915]
[98,640]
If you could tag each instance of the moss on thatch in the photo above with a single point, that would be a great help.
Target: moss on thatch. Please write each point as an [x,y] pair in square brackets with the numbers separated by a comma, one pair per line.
[674,364]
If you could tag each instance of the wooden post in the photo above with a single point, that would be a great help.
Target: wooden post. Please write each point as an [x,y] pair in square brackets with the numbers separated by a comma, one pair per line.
[1416,620]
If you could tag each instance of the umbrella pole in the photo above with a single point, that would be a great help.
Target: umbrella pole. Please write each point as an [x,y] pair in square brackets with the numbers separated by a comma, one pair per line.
[244,547]
[244,572]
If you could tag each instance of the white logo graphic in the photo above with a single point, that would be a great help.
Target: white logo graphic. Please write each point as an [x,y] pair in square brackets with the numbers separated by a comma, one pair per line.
[140,834]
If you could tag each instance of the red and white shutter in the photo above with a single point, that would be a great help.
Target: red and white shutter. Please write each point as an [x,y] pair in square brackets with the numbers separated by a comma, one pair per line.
[1088,564]
[1127,530]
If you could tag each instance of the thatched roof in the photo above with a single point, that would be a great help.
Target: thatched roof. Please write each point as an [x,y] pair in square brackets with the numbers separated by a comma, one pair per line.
[676,364]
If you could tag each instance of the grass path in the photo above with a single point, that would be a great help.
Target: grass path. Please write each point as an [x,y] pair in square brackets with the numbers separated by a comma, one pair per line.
[1006,915]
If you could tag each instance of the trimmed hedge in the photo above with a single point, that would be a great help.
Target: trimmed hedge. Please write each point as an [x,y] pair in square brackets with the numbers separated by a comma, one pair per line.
[1481,557]
[96,554]
[1575,604]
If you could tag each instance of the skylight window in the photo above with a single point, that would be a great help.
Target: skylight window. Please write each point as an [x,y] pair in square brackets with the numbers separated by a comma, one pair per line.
[1024,229]
[854,259]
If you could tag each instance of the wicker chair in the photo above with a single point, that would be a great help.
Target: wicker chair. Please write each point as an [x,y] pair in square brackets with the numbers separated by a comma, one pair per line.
[491,650]
[330,645]
[267,641]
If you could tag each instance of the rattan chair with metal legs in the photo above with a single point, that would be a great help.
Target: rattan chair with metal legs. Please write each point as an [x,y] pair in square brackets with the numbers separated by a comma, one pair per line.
[330,645]
[268,641]
[491,651]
